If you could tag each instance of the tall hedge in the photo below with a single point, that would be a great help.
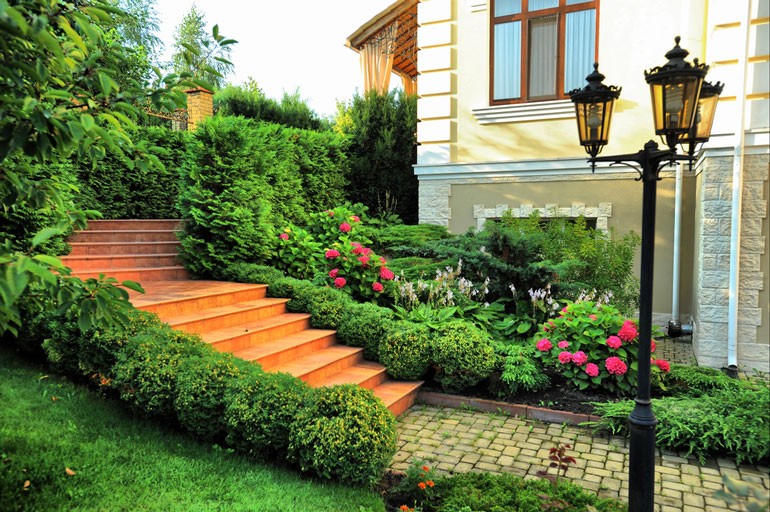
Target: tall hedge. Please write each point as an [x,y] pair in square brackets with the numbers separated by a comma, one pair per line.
[246,177]
[383,147]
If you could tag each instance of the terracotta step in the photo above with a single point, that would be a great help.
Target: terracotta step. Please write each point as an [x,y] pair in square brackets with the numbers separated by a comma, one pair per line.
[121,248]
[177,298]
[133,224]
[132,235]
[283,350]
[255,333]
[317,366]
[398,396]
[231,315]
[171,273]
[366,374]
[96,261]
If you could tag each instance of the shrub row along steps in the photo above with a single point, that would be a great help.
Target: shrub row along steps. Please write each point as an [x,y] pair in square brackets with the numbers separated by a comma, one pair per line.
[232,317]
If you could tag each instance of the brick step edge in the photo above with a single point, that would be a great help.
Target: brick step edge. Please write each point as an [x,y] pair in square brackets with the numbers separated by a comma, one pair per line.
[520,410]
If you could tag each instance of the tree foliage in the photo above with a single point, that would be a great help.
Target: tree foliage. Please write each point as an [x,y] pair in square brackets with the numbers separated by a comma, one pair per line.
[61,96]
[195,52]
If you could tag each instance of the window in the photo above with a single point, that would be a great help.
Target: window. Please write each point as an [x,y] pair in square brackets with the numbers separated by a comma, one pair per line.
[541,49]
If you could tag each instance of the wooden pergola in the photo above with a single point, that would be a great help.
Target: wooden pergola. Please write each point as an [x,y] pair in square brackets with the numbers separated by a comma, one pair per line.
[388,43]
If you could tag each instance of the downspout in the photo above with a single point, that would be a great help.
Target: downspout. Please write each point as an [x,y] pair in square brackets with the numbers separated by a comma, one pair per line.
[737,203]
[675,325]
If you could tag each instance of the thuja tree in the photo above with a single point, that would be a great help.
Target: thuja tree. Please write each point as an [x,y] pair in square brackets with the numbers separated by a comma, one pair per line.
[60,96]
[382,131]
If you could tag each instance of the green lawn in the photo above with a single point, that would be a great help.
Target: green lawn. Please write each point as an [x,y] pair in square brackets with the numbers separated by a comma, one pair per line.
[123,462]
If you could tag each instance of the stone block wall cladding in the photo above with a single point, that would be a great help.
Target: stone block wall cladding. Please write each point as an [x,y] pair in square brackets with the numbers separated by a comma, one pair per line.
[433,202]
[713,264]
[200,106]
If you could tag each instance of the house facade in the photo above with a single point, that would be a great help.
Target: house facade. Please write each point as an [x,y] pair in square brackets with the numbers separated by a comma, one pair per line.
[497,132]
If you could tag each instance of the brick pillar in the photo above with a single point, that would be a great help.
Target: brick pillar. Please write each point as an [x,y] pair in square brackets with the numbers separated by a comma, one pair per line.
[200,106]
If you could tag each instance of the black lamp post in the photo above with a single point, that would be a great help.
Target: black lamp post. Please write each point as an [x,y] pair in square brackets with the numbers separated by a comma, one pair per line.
[676,90]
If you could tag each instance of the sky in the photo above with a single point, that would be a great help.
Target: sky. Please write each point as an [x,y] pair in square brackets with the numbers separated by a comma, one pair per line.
[285,44]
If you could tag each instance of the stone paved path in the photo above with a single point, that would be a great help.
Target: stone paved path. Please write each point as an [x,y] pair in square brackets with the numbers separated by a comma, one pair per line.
[675,350]
[461,441]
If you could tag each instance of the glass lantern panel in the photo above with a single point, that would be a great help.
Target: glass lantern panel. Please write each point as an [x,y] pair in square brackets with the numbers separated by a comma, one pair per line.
[705,117]
[656,91]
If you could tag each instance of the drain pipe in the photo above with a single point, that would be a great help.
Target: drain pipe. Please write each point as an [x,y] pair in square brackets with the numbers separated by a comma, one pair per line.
[737,203]
[675,325]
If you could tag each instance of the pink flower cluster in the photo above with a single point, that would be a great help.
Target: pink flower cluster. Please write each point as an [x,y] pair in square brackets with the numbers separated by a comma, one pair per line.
[544,345]
[331,254]
[615,366]
[345,227]
[579,358]
[628,332]
[565,357]
[663,365]
[563,344]
[592,370]
[614,342]
[283,236]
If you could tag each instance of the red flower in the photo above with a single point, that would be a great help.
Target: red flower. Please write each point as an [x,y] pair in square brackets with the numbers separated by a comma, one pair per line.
[565,357]
[652,347]
[425,468]
[345,227]
[592,317]
[592,370]
[331,213]
[563,344]
[663,365]
[544,345]
[404,508]
[339,282]
[579,358]
[358,250]
[364,260]
[386,274]
[614,342]
[421,485]
[628,332]
[331,253]
[283,236]
[615,366]
[430,483]
[355,218]
[377,287]
[334,272]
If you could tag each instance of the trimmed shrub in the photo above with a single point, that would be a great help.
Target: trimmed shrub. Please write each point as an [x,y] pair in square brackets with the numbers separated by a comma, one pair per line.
[285,287]
[346,433]
[406,351]
[61,343]
[252,273]
[365,325]
[463,355]
[147,368]
[696,380]
[390,238]
[260,414]
[203,385]
[328,308]
[249,101]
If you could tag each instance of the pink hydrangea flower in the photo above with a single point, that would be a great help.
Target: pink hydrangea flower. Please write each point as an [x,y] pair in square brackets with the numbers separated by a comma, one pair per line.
[334,272]
[355,218]
[364,260]
[332,253]
[614,342]
[331,213]
[592,370]
[564,309]
[283,236]
[563,344]
[579,358]
[377,287]
[663,365]
[544,345]
[615,366]
[565,357]
[592,317]
[355,244]
[386,274]
[367,251]
[358,250]
[652,347]
[628,332]
[345,227]
[339,282]
[382,260]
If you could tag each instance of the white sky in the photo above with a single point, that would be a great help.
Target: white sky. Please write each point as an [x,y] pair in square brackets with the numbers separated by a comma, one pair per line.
[284,44]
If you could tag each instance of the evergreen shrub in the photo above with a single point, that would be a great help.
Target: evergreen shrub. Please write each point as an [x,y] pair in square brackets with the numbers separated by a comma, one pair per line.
[345,433]
[366,325]
[463,355]
[406,351]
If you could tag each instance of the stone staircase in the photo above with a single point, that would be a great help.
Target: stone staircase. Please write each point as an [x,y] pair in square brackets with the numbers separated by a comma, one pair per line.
[232,317]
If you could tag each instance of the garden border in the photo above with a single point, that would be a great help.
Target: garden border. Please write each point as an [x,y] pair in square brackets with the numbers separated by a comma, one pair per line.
[520,410]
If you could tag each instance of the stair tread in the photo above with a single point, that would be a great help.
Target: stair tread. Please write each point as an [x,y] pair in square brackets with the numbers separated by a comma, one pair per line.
[176,242]
[310,362]
[117,256]
[167,292]
[355,374]
[126,231]
[224,310]
[126,269]
[391,391]
[280,344]
[265,323]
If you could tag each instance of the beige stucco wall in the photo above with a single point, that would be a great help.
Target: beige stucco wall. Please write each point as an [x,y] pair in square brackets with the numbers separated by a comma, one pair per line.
[625,196]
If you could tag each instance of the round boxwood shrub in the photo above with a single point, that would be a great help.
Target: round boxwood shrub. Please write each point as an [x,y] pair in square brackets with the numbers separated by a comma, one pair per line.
[365,325]
[202,389]
[252,273]
[327,306]
[261,411]
[147,367]
[463,355]
[406,351]
[346,433]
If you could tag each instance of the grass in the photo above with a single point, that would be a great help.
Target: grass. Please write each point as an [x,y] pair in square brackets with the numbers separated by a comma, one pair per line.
[124,462]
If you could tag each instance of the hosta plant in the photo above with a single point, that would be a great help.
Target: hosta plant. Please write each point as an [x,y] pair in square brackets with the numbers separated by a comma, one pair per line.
[593,346]
[356,270]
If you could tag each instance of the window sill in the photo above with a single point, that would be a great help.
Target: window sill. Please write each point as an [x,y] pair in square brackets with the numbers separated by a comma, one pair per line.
[522,112]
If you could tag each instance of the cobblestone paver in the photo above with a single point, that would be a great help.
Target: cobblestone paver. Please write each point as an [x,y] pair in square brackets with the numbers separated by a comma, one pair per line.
[675,350]
[461,441]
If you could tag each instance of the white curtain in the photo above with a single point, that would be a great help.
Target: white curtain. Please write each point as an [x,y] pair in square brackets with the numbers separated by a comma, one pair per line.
[377,60]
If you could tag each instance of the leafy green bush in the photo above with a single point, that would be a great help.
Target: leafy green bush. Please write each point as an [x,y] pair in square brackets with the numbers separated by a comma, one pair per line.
[259,416]
[252,273]
[696,380]
[331,226]
[296,252]
[390,238]
[413,268]
[203,388]
[358,271]
[406,351]
[463,355]
[346,433]
[734,421]
[520,369]
[147,368]
[328,308]
[120,190]
[365,325]
[382,129]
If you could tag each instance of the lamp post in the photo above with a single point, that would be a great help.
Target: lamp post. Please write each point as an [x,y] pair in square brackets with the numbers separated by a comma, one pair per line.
[676,98]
